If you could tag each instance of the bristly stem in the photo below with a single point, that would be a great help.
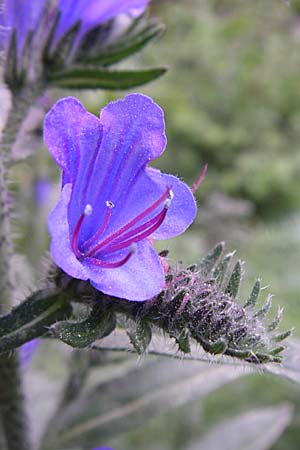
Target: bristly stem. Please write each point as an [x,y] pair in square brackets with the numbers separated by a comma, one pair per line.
[12,410]
[14,421]
[21,103]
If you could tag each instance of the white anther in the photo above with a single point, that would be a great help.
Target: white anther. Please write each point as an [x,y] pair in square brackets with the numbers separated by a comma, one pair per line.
[167,203]
[133,248]
[88,210]
[169,199]
[171,195]
[109,204]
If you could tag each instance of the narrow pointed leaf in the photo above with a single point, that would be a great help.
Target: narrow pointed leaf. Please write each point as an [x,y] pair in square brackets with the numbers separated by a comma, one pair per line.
[116,53]
[140,336]
[274,324]
[252,299]
[37,319]
[263,311]
[33,307]
[93,78]
[64,47]
[235,280]
[209,261]
[281,336]
[222,267]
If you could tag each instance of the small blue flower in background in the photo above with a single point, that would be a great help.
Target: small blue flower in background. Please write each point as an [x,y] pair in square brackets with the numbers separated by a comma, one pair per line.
[111,203]
[27,351]
[102,448]
[25,15]
[42,191]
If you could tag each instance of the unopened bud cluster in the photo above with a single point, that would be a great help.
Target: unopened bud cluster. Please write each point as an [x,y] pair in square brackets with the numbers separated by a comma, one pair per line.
[198,303]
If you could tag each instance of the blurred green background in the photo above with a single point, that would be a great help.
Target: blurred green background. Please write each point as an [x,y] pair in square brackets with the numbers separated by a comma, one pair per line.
[232,100]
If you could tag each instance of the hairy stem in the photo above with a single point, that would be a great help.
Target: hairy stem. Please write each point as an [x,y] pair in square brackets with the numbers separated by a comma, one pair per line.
[21,103]
[14,422]
[12,410]
[6,248]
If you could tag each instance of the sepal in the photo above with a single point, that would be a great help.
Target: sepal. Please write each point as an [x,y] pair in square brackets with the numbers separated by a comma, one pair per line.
[99,323]
[140,336]
[133,41]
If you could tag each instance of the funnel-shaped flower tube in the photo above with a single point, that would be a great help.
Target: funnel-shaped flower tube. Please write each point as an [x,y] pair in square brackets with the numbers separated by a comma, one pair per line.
[24,15]
[111,202]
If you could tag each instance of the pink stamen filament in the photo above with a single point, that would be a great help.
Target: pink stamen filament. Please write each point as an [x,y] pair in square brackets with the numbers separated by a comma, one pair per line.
[75,237]
[102,228]
[200,179]
[117,234]
[138,233]
[111,265]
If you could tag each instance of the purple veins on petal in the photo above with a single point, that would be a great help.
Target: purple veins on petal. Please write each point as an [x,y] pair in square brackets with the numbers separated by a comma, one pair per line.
[111,202]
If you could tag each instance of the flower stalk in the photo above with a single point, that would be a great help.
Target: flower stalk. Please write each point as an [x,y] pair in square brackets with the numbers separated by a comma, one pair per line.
[13,415]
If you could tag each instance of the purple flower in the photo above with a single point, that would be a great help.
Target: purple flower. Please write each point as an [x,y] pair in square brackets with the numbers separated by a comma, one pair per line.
[27,351]
[102,448]
[42,190]
[111,203]
[25,15]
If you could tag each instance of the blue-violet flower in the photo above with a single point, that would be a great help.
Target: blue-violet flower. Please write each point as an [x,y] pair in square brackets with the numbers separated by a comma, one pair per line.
[25,15]
[111,202]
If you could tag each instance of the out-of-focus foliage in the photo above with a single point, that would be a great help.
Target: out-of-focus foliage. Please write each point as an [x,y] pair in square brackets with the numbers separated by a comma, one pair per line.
[232,98]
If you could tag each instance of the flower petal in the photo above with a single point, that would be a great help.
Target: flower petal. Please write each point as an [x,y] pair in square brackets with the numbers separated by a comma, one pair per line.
[141,278]
[183,207]
[61,134]
[89,140]
[22,15]
[148,187]
[133,135]
[60,247]
[93,12]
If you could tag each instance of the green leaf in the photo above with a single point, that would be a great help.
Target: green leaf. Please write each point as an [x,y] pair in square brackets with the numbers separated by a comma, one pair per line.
[64,46]
[82,334]
[263,311]
[260,427]
[208,262]
[274,324]
[126,47]
[235,280]
[252,299]
[32,318]
[221,269]
[140,336]
[94,78]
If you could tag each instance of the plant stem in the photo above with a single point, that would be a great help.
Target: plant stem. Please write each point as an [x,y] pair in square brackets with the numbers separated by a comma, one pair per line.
[14,420]
[12,410]
[21,103]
